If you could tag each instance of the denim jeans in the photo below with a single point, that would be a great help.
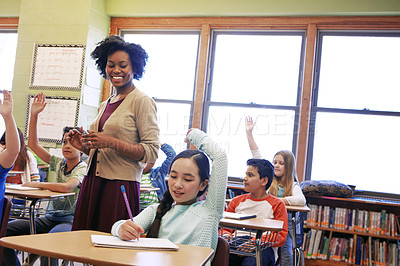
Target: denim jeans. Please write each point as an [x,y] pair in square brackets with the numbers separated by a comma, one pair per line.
[267,254]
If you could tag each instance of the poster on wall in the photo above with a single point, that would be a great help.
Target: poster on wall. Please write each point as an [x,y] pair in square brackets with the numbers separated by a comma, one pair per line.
[59,113]
[57,67]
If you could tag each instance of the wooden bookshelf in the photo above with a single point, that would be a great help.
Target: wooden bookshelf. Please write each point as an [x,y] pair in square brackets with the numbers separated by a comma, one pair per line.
[376,205]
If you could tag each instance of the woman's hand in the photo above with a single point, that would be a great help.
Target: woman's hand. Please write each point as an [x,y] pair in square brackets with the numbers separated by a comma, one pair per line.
[96,140]
[38,104]
[74,137]
[130,231]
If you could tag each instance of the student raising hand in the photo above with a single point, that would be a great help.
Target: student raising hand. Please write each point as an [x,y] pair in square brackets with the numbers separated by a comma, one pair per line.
[8,156]
[38,104]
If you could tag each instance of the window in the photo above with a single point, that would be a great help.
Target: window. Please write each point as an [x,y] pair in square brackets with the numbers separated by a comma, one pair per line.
[356,112]
[8,49]
[169,79]
[254,73]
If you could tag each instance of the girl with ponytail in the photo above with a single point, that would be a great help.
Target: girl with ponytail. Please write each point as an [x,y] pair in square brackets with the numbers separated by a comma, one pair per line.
[180,216]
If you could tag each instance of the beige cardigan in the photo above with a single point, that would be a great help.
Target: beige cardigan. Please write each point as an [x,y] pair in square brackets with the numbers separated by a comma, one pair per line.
[134,121]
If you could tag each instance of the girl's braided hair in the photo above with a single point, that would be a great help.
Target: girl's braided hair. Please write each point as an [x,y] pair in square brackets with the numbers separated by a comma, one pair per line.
[165,205]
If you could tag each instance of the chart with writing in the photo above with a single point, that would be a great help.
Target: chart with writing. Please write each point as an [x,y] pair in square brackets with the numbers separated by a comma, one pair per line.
[58,113]
[57,67]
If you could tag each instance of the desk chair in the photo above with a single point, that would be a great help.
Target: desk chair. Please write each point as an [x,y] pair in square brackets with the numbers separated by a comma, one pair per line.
[4,221]
[221,257]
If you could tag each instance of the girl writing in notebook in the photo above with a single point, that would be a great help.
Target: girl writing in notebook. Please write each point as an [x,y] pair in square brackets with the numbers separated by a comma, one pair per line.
[180,216]
[284,184]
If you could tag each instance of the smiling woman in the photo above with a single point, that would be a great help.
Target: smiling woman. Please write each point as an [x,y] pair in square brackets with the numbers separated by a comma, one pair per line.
[123,137]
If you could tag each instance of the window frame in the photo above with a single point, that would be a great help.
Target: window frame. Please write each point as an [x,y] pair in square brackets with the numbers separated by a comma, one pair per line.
[315,109]
[310,24]
[296,108]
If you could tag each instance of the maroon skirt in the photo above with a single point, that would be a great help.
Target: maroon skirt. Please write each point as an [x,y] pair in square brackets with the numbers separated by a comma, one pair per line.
[100,202]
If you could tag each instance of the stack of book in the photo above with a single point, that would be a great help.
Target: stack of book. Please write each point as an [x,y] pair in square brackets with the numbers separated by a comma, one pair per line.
[358,251]
[378,223]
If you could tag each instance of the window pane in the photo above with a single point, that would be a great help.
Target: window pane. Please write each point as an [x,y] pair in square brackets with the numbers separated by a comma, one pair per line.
[174,122]
[8,49]
[273,131]
[262,69]
[357,150]
[171,67]
[360,72]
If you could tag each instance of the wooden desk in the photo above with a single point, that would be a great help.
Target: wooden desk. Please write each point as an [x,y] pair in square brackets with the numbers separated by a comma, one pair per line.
[148,189]
[14,173]
[298,254]
[77,246]
[260,225]
[34,196]
[235,185]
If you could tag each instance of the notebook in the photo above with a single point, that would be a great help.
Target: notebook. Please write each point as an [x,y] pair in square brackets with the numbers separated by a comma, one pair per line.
[238,216]
[143,243]
[20,187]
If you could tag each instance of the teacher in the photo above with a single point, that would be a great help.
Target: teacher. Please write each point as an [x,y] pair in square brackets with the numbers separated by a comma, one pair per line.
[121,140]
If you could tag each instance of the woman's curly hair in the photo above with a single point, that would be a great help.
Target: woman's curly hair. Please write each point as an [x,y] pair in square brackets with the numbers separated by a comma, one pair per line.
[113,43]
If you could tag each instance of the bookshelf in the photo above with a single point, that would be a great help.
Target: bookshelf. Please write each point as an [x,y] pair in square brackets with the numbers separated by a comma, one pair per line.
[373,227]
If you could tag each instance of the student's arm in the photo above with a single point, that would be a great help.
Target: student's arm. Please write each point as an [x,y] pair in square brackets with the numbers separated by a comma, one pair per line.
[297,197]
[249,124]
[33,168]
[38,105]
[280,214]
[218,179]
[170,153]
[57,187]
[8,156]
[142,223]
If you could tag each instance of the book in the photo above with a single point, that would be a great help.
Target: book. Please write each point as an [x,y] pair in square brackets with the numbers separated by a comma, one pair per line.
[143,243]
[317,241]
[238,216]
[20,187]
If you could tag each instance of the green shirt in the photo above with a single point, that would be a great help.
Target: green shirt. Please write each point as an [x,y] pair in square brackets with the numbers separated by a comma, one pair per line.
[57,173]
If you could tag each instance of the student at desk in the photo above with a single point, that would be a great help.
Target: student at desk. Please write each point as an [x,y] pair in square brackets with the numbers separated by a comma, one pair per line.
[69,172]
[155,177]
[25,162]
[284,185]
[181,217]
[258,179]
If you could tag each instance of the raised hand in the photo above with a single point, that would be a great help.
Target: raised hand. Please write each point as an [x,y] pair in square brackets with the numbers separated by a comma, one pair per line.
[249,124]
[38,104]
[6,106]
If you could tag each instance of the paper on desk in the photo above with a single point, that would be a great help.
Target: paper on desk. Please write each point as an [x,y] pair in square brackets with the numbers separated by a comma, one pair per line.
[20,187]
[238,216]
[143,243]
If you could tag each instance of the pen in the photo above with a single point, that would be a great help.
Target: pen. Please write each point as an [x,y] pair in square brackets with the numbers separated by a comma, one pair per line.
[127,203]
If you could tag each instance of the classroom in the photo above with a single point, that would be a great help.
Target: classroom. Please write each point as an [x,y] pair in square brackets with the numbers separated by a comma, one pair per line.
[318,78]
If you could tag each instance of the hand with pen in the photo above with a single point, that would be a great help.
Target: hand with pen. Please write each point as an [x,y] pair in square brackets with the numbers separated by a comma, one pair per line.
[130,231]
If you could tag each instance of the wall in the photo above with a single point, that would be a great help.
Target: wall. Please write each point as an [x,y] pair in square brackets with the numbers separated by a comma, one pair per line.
[55,22]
